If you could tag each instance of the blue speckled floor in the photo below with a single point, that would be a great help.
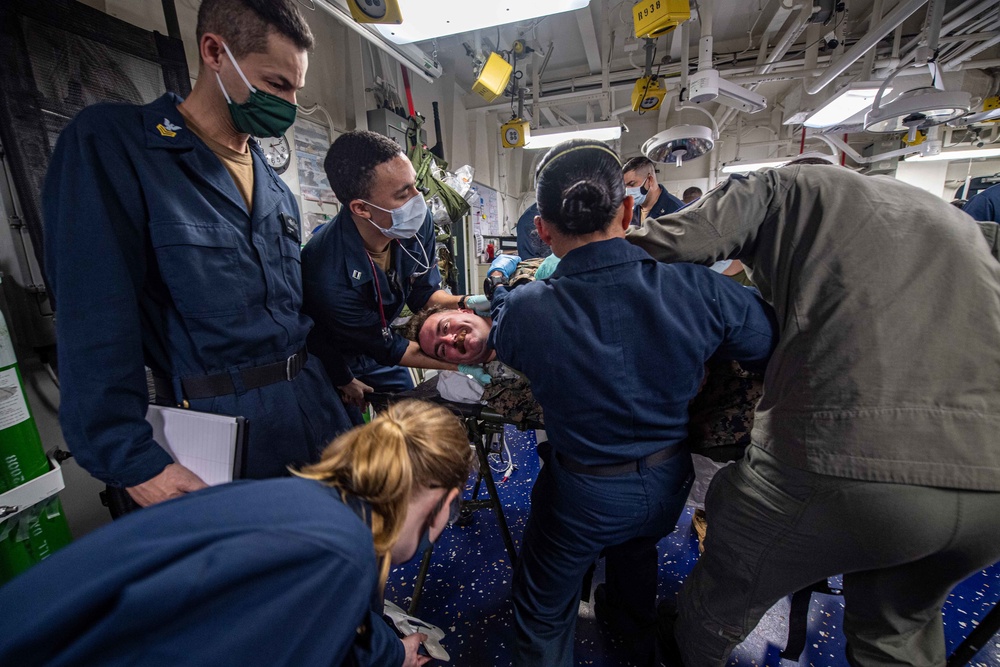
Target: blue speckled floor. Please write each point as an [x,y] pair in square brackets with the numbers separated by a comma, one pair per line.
[467,593]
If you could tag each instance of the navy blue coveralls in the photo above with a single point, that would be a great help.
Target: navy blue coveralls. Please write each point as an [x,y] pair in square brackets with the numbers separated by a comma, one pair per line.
[614,345]
[274,572]
[529,244]
[152,255]
[986,205]
[352,300]
[665,203]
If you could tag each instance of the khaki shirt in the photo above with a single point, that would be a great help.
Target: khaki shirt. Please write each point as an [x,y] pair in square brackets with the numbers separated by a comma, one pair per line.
[888,302]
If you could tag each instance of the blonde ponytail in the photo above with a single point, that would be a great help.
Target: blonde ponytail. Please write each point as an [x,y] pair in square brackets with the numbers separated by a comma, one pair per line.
[411,444]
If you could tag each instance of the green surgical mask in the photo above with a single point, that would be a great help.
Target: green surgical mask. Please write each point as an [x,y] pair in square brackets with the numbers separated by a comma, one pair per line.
[263,114]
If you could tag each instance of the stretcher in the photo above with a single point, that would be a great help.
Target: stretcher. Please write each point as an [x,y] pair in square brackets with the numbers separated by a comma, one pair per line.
[481,424]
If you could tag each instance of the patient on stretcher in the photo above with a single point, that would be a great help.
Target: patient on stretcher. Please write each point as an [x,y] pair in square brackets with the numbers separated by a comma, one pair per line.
[460,336]
[721,416]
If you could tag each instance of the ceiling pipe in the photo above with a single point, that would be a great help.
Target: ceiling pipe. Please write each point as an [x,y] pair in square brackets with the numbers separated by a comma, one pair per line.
[954,20]
[956,62]
[685,53]
[980,64]
[705,17]
[869,62]
[900,13]
[793,32]
[935,14]
[838,144]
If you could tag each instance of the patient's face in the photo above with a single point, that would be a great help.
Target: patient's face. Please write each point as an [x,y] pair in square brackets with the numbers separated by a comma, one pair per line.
[456,336]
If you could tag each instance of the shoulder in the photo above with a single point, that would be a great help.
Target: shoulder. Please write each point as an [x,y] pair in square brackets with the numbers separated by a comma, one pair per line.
[324,246]
[687,279]
[111,119]
[292,503]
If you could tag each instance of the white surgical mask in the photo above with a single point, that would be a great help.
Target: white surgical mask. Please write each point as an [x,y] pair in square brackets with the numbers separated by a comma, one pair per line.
[720,267]
[406,220]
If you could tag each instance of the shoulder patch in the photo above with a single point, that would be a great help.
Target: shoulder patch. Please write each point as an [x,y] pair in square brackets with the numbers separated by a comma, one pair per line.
[165,131]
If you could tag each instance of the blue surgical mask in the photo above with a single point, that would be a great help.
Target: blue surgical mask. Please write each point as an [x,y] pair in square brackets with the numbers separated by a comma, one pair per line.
[424,544]
[406,220]
[638,194]
[719,267]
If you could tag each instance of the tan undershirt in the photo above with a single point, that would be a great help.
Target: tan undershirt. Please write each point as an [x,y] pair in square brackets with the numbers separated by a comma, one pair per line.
[382,259]
[239,165]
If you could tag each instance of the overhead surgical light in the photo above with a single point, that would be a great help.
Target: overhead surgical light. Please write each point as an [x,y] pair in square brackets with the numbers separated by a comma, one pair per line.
[916,109]
[847,102]
[965,154]
[683,142]
[427,19]
[549,137]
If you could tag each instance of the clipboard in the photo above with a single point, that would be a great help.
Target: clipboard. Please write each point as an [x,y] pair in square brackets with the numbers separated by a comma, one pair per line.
[211,446]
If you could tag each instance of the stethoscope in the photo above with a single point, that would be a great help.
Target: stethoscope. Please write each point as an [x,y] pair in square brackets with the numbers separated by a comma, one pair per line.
[426,266]
[386,332]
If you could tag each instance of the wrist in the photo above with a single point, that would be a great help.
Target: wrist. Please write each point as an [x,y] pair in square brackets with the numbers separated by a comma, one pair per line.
[461,301]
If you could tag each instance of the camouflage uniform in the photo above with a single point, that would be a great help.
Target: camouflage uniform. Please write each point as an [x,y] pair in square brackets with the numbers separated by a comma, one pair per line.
[509,394]
[721,415]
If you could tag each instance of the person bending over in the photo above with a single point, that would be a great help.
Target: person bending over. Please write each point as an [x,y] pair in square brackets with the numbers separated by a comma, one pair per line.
[277,572]
[594,340]
[359,271]
[863,461]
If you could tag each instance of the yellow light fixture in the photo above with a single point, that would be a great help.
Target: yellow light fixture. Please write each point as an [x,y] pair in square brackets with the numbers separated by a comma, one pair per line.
[493,78]
[648,94]
[375,11]
[657,17]
[515,133]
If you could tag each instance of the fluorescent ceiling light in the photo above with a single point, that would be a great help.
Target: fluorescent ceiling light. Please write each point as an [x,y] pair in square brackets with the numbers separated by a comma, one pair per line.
[550,136]
[848,101]
[967,154]
[744,166]
[426,19]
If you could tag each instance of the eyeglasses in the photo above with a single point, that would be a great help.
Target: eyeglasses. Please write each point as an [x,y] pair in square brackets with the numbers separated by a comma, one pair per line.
[454,509]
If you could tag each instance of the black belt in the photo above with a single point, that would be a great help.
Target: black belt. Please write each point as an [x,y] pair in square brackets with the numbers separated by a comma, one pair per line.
[221,384]
[616,469]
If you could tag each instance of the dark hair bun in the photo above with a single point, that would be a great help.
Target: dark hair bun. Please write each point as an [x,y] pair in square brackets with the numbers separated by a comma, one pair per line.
[586,207]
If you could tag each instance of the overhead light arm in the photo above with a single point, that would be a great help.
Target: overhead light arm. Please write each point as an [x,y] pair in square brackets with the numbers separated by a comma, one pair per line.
[898,14]
[679,106]
[838,144]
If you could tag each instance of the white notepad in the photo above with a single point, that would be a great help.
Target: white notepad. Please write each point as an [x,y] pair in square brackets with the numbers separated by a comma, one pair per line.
[209,445]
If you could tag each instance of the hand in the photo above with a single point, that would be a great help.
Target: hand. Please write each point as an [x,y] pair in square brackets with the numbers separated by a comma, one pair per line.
[175,480]
[479,304]
[505,265]
[411,644]
[353,393]
[478,373]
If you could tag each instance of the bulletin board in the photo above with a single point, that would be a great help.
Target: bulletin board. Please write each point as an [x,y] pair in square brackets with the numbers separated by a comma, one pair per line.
[318,204]
[486,214]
